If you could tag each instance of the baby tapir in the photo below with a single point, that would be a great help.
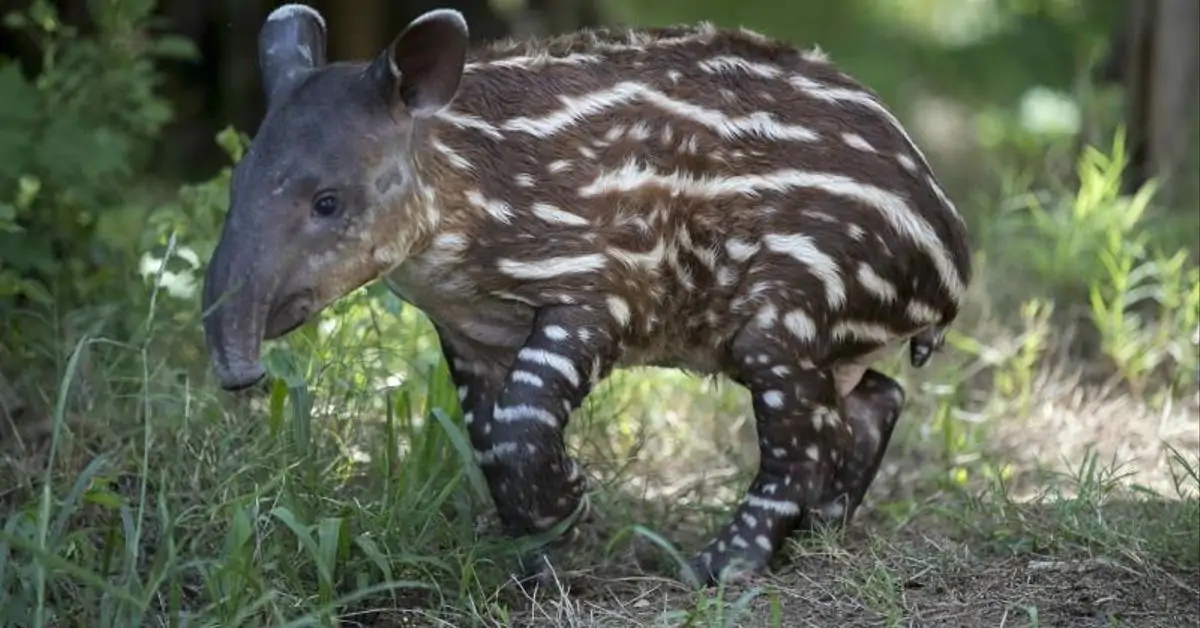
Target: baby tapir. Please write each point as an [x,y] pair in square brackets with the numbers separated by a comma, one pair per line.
[693,197]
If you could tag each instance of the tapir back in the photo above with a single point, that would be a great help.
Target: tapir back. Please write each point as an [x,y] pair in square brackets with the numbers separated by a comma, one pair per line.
[695,178]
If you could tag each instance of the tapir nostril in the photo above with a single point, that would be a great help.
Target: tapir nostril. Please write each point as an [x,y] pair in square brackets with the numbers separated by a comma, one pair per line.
[289,313]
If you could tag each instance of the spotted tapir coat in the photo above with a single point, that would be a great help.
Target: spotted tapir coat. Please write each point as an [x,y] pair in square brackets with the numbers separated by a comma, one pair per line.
[693,197]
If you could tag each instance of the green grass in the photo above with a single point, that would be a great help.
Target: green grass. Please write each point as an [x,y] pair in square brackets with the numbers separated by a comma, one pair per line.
[1038,476]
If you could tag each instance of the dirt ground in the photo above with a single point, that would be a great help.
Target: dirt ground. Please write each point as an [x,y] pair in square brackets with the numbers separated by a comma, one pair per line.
[911,592]
[944,587]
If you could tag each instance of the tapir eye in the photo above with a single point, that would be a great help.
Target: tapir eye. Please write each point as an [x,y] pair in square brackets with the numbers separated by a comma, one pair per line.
[326,204]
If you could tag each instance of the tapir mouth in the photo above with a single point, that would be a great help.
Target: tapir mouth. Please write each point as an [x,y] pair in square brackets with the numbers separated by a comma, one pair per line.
[290,313]
[245,385]
[283,318]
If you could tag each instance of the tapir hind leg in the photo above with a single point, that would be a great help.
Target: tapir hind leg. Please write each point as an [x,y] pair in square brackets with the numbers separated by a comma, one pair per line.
[872,410]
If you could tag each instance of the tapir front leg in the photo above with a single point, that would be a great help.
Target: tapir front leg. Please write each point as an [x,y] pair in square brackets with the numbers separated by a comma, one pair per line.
[476,380]
[518,436]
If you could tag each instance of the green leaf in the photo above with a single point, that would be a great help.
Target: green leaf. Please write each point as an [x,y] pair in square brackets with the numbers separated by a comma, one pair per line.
[36,291]
[329,533]
[19,114]
[103,498]
[285,516]
[8,214]
[369,547]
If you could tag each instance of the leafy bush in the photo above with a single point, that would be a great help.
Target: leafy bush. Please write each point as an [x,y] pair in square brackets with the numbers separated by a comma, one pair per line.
[74,141]
[1094,246]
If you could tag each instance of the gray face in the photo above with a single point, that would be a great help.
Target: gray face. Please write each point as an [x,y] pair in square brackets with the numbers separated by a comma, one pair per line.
[326,199]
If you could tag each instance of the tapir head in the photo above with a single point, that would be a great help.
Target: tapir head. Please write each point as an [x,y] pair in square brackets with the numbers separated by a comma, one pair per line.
[329,195]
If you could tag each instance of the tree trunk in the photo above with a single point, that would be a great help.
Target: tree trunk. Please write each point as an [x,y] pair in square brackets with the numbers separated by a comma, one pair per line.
[356,29]
[1161,73]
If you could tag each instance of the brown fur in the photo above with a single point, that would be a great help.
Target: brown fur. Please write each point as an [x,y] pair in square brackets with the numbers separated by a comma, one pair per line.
[670,319]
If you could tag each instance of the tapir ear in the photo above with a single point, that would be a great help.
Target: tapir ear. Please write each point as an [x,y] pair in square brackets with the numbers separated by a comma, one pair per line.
[422,68]
[291,41]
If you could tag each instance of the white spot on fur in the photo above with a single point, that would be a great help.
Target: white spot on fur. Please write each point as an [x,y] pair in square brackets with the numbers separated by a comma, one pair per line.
[619,309]
[496,209]
[651,259]
[576,108]
[550,267]
[773,399]
[499,450]
[556,332]
[456,161]
[554,215]
[854,140]
[815,55]
[824,416]
[922,313]
[725,63]
[451,241]
[801,325]
[536,61]
[525,377]
[667,135]
[766,316]
[740,250]
[524,412]
[804,249]
[879,287]
[469,121]
[555,361]
[774,505]
[726,276]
